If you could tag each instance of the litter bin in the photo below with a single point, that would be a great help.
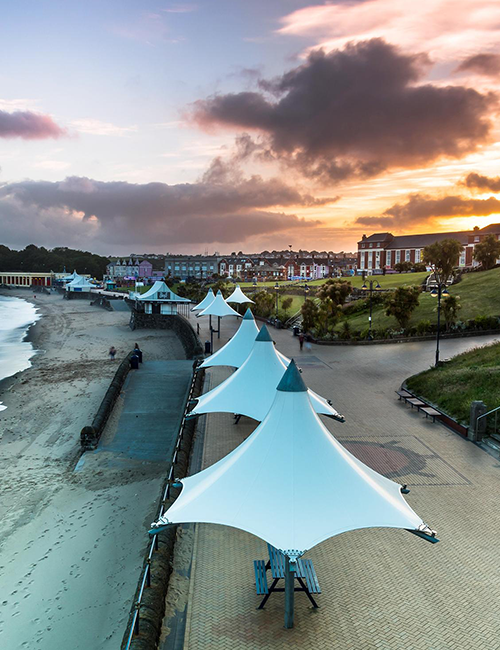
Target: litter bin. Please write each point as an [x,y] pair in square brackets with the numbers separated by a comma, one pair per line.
[134,362]
[207,348]
[139,354]
[296,330]
[278,324]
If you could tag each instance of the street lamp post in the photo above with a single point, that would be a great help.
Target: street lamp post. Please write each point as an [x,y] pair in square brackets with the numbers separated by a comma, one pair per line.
[276,288]
[438,293]
[371,290]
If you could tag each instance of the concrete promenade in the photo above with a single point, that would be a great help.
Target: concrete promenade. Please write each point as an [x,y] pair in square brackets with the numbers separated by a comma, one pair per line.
[380,588]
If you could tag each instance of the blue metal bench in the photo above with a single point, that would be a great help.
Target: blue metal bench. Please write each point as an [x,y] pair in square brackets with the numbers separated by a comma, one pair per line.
[304,574]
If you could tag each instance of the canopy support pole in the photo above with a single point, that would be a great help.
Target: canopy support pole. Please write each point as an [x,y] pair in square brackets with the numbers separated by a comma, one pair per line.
[289,592]
[218,328]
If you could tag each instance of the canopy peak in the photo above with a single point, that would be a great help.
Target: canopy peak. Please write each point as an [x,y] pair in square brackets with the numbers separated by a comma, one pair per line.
[263,335]
[248,315]
[292,382]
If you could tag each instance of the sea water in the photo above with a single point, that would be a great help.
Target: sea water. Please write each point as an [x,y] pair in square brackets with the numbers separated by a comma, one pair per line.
[16,316]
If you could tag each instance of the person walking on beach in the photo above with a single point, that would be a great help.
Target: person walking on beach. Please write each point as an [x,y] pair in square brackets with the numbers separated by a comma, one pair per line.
[301,341]
[112,353]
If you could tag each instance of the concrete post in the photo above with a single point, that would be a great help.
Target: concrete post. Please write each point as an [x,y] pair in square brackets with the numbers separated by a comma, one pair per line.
[477,429]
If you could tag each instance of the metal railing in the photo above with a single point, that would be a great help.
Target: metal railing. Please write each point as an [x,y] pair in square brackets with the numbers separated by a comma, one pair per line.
[484,415]
[146,578]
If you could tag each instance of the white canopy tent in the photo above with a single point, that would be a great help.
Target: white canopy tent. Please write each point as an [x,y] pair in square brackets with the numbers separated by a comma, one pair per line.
[207,300]
[79,284]
[239,297]
[237,349]
[71,277]
[160,292]
[218,307]
[293,485]
[250,390]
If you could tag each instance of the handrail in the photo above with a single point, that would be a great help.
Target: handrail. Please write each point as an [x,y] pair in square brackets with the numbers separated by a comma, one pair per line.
[146,578]
[495,410]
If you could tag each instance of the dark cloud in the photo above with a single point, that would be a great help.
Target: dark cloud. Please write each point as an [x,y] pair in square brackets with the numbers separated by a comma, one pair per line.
[485,64]
[421,208]
[356,111]
[479,182]
[29,126]
[153,214]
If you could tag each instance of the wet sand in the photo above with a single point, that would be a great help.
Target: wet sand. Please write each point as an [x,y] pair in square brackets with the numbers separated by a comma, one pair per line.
[71,542]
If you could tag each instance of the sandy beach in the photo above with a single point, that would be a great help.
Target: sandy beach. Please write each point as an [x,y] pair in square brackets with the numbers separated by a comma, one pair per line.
[70,551]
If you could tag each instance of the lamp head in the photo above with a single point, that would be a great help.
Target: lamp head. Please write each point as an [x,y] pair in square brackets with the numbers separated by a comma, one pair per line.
[434,292]
[444,292]
[276,286]
[364,287]
[377,286]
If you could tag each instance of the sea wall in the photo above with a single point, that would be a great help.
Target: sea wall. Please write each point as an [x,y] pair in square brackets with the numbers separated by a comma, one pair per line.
[90,435]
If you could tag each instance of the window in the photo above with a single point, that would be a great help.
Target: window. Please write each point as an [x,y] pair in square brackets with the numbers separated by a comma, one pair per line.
[461,260]
[476,238]
[371,245]
[407,256]
[370,259]
[418,255]
[398,257]
[377,259]
[388,258]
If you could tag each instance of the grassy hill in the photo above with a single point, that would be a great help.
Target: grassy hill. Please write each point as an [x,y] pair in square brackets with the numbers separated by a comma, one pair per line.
[473,375]
[479,296]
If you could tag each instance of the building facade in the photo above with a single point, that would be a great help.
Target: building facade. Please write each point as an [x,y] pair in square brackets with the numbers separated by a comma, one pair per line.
[26,279]
[191,266]
[384,250]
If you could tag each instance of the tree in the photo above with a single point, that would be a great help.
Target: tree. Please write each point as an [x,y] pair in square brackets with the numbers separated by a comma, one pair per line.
[264,303]
[450,307]
[403,267]
[487,252]
[309,315]
[401,304]
[336,290]
[327,317]
[286,303]
[442,257]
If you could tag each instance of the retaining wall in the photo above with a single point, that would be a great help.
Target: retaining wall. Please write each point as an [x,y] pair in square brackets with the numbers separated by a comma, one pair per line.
[180,325]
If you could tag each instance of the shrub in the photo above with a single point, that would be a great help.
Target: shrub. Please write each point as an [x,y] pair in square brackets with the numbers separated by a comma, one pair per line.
[423,327]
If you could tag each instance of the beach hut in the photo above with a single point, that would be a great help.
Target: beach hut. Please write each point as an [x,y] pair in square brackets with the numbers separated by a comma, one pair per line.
[294,485]
[239,297]
[207,300]
[160,299]
[250,390]
[237,349]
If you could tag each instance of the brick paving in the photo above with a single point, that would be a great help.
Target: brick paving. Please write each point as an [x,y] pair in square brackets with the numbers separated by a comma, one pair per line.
[380,588]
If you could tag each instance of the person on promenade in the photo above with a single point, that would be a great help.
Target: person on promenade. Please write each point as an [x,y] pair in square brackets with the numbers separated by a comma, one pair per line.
[301,340]
[308,342]
[112,353]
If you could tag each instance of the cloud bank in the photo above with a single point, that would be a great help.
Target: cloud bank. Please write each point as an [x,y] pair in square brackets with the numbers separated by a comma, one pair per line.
[28,126]
[422,208]
[356,111]
[479,182]
[153,214]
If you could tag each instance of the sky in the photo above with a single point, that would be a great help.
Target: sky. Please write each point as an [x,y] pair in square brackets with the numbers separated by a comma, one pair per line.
[227,125]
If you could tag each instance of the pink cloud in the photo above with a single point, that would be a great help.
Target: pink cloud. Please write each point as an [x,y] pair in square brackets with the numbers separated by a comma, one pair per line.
[450,29]
[29,126]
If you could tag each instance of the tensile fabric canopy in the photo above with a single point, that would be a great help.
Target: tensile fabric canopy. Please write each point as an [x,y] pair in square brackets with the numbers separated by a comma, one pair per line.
[160,292]
[207,300]
[239,297]
[292,483]
[218,307]
[250,390]
[79,284]
[237,349]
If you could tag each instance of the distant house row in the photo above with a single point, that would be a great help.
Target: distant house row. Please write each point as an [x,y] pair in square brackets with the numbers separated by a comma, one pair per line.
[134,268]
[384,250]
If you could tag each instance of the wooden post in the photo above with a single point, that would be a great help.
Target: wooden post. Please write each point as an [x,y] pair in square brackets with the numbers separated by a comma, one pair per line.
[289,592]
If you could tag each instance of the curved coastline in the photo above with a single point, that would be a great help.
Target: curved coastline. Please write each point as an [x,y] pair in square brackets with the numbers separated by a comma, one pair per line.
[17,316]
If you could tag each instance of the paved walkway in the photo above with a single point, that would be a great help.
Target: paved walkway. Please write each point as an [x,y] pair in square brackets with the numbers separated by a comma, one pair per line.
[380,588]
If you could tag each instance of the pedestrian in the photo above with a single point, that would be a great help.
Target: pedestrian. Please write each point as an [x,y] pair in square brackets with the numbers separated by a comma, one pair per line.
[308,342]
[301,341]
[112,353]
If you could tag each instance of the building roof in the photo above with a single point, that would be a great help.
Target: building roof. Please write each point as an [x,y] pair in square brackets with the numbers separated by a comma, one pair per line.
[378,236]
[492,228]
[419,241]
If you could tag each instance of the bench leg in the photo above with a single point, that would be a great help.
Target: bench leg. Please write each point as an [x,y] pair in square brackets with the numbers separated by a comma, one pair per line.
[271,589]
[308,594]
[237,418]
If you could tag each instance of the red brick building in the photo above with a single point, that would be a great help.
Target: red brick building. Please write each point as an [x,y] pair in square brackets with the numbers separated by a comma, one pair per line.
[383,250]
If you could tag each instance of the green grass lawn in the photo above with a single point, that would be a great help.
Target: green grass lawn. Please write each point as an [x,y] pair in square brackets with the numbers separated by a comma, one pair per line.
[390,281]
[474,375]
[479,295]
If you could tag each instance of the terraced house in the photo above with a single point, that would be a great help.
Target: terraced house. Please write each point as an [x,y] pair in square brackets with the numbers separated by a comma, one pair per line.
[384,250]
